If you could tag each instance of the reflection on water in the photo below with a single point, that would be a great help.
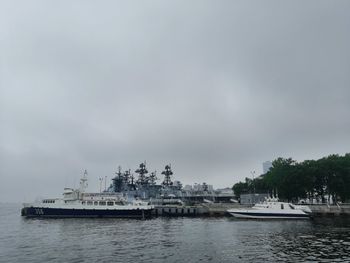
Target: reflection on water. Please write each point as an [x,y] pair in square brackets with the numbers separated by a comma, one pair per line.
[171,240]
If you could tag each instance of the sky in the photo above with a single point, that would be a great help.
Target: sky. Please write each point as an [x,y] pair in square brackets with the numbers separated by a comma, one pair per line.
[214,88]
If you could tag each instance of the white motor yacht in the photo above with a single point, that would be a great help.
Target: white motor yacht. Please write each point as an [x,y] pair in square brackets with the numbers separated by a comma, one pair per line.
[273,209]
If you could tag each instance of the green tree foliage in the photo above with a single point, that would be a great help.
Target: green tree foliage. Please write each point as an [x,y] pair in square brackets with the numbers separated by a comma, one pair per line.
[240,188]
[290,180]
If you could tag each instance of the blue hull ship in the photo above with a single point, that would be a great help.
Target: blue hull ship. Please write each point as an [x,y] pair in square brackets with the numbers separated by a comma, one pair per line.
[78,203]
[72,212]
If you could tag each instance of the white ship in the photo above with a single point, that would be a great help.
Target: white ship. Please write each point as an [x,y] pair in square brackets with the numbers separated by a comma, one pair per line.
[272,209]
[78,203]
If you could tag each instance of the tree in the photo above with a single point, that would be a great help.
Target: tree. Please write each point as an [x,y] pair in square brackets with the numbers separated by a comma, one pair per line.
[326,177]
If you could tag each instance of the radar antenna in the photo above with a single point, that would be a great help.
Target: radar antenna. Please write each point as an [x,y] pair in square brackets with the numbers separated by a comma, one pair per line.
[167,175]
[153,178]
[142,171]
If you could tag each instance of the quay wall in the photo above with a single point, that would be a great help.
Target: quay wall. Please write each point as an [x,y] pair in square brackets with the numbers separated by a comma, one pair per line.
[173,210]
[220,209]
[330,210]
[211,209]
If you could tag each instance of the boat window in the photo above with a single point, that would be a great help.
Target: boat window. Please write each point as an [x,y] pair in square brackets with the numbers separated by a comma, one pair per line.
[89,202]
[95,203]
[83,203]
[291,206]
[110,203]
[103,203]
[282,206]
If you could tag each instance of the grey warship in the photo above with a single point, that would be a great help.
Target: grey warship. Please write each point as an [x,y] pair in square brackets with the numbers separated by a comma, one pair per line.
[143,185]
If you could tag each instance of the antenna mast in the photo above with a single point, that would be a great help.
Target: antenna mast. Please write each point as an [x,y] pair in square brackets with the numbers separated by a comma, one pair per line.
[167,175]
[83,182]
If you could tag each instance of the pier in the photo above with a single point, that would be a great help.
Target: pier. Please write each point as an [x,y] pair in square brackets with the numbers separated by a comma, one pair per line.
[220,209]
[320,210]
[200,210]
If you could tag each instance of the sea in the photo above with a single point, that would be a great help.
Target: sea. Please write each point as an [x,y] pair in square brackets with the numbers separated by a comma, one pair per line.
[181,239]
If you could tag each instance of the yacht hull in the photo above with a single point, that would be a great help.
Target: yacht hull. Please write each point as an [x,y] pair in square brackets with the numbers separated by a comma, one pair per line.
[257,215]
[77,212]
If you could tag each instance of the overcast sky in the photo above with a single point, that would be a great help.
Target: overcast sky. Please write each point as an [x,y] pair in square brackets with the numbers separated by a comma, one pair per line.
[213,87]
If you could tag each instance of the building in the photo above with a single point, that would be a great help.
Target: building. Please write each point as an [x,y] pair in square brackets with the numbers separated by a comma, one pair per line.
[251,199]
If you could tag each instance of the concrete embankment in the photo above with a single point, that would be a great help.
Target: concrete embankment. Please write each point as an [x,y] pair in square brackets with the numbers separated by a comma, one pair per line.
[176,210]
[210,209]
[330,210]
[220,209]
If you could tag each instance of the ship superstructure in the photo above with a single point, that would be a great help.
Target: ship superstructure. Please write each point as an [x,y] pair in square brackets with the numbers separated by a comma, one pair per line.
[144,184]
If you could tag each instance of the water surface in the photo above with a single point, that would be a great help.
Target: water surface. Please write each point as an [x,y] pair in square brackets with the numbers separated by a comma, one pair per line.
[171,239]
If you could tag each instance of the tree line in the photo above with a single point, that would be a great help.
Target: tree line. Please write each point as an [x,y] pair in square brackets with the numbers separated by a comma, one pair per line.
[322,179]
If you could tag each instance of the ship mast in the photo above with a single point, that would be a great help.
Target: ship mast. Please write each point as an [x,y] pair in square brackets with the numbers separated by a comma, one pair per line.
[131,181]
[83,182]
[167,175]
[127,174]
[153,178]
[142,171]
[118,181]
[119,173]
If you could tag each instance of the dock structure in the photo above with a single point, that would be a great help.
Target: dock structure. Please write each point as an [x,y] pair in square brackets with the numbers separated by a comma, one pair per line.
[178,211]
[200,210]
[220,209]
[319,210]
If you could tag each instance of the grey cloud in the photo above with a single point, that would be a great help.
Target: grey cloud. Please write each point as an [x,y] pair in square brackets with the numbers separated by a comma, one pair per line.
[215,88]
